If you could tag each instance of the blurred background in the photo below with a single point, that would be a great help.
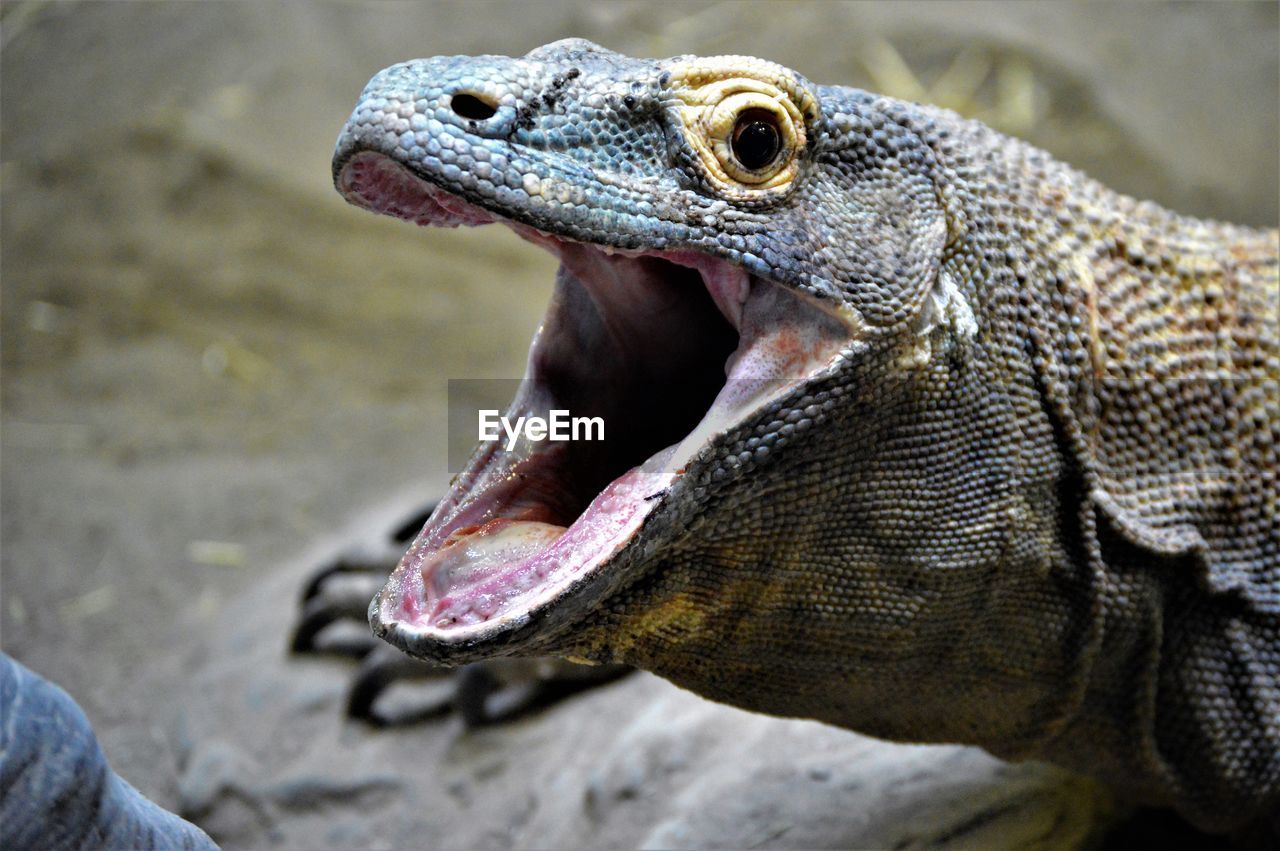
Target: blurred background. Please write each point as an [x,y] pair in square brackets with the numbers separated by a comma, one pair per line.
[215,375]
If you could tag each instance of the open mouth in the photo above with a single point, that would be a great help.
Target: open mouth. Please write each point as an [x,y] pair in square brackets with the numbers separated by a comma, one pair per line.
[670,350]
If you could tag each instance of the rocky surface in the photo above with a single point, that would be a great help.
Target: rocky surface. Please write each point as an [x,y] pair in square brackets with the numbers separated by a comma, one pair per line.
[215,376]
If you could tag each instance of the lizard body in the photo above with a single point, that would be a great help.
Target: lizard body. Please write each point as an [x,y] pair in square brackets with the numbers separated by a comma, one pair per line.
[995,461]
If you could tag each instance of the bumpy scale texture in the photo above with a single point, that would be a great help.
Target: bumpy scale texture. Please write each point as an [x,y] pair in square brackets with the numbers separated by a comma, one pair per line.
[1035,509]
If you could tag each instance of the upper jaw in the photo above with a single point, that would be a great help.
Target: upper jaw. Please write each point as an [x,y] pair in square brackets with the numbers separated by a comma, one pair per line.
[520,163]
[542,172]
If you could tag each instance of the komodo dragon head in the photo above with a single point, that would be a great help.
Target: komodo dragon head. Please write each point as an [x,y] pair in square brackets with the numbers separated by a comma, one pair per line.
[841,346]
[739,253]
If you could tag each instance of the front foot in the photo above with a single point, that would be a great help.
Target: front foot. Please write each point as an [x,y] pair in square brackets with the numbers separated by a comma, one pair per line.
[391,688]
[490,692]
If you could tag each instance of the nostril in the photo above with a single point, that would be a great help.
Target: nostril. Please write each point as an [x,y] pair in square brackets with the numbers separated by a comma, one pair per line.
[474,107]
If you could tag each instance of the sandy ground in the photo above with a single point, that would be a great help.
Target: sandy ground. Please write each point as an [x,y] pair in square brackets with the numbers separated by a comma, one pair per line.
[216,375]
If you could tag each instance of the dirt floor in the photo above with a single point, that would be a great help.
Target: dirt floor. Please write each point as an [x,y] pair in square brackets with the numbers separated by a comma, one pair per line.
[216,376]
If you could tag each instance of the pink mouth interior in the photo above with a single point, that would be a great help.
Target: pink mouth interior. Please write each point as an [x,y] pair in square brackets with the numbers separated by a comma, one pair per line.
[671,349]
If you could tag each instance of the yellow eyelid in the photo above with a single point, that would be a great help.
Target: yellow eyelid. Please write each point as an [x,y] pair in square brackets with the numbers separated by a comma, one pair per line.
[720,119]
[704,74]
[711,95]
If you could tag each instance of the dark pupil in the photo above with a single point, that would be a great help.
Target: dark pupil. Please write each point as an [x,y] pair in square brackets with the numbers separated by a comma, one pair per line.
[756,140]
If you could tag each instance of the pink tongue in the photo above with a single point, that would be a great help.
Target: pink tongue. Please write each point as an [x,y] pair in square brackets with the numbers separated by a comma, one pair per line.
[472,556]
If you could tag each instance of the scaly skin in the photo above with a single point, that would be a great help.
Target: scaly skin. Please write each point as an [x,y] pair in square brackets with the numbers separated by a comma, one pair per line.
[1035,506]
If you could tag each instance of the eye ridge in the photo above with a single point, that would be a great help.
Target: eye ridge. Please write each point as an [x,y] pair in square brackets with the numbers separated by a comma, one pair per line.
[756,139]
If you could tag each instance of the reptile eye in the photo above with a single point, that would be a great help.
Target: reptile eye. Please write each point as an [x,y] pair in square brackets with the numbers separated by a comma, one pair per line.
[748,134]
[756,138]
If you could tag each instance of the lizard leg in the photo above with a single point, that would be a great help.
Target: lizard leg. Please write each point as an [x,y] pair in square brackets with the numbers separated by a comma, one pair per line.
[340,590]
[336,597]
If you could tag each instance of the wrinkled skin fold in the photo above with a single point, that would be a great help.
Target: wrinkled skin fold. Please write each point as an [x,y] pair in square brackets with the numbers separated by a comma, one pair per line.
[943,441]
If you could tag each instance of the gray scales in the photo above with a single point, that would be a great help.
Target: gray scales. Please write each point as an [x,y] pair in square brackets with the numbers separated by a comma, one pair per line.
[992,460]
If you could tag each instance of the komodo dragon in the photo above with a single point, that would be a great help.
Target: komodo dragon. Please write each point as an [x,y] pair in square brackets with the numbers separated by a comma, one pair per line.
[995,460]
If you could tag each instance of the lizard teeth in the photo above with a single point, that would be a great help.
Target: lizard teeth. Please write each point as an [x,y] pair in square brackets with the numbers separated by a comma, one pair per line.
[729,287]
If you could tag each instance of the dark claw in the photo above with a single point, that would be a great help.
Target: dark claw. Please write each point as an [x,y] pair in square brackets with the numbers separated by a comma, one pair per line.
[379,671]
[329,595]
[315,585]
[502,690]
[319,613]
[335,601]
[473,685]
[407,530]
